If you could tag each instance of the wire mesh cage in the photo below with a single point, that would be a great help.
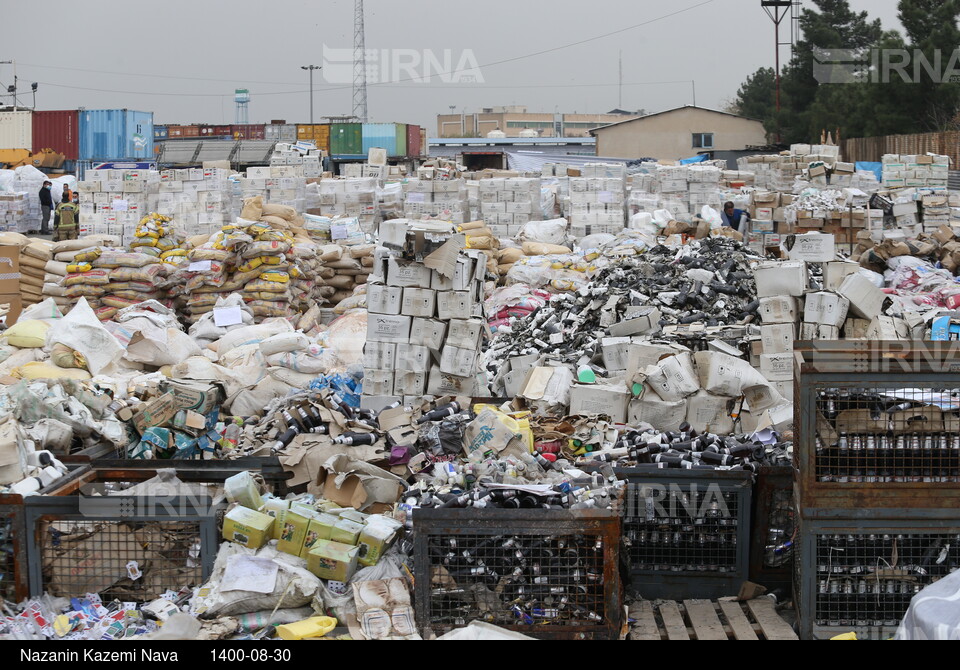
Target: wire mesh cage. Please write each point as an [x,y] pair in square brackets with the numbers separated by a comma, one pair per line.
[880,438]
[552,574]
[13,561]
[686,534]
[774,529]
[862,576]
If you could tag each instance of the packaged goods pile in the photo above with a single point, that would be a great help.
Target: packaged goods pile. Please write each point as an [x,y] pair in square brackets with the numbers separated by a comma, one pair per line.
[198,200]
[597,200]
[506,205]
[19,203]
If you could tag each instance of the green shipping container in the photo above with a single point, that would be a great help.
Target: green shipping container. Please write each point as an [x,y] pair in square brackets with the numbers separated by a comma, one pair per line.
[401,139]
[346,139]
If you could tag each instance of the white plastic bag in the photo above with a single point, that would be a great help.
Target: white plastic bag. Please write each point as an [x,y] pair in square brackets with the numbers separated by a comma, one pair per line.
[81,331]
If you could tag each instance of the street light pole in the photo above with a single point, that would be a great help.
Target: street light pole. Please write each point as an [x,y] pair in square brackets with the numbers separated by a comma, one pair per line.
[311,68]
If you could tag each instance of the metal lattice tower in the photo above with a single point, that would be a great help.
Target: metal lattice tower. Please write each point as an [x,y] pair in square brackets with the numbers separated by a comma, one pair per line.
[241,97]
[359,64]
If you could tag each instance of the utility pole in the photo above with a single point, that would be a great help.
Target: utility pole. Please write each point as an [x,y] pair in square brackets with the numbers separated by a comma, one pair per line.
[311,68]
[778,10]
[620,97]
[359,63]
[12,89]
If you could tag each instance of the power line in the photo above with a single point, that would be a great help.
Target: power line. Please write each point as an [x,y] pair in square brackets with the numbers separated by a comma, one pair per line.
[384,84]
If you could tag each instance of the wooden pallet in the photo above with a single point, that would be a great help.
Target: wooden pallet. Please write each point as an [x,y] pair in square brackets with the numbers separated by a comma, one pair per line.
[708,620]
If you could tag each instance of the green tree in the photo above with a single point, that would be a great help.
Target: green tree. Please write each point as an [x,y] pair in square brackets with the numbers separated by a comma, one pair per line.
[756,98]
[931,27]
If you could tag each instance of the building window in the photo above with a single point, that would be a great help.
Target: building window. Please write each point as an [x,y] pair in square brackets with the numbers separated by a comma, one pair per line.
[529,124]
[703,140]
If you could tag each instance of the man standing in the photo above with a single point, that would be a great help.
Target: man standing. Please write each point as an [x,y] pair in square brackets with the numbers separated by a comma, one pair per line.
[46,206]
[67,215]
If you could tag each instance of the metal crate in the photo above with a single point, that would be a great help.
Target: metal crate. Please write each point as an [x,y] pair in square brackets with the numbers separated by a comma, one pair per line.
[860,575]
[78,543]
[878,428]
[13,576]
[551,574]
[686,533]
[773,532]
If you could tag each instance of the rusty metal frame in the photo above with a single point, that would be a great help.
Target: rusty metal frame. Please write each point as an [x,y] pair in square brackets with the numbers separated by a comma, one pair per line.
[769,480]
[856,364]
[453,522]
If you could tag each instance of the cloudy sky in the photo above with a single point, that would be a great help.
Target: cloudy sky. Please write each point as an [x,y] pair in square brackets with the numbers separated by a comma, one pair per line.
[183,59]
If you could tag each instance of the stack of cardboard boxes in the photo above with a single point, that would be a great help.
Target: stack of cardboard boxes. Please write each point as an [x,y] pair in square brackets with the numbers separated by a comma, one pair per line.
[506,205]
[915,171]
[424,326]
[436,199]
[197,199]
[13,209]
[355,198]
[112,202]
[597,205]
[276,184]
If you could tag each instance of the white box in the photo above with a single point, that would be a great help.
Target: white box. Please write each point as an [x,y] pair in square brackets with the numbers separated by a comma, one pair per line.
[377,382]
[587,400]
[458,362]
[834,273]
[465,334]
[388,328]
[866,300]
[420,302]
[443,384]
[428,333]
[408,382]
[779,309]
[826,308]
[379,355]
[777,367]
[778,338]
[775,279]
[405,273]
[812,248]
[412,357]
[455,305]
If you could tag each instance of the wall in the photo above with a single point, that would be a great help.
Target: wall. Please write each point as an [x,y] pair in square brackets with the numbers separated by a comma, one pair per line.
[872,149]
[669,136]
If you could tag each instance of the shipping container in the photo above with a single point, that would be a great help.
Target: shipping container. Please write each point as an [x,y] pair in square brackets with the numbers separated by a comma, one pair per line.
[318,133]
[216,131]
[160,133]
[280,132]
[57,130]
[182,132]
[346,139]
[380,135]
[250,131]
[16,130]
[413,141]
[112,134]
[401,139]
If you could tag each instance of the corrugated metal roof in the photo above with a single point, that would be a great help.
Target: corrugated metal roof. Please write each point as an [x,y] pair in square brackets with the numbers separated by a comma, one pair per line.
[196,151]
[512,141]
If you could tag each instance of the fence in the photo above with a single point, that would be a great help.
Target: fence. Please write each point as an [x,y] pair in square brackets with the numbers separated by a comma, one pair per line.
[872,149]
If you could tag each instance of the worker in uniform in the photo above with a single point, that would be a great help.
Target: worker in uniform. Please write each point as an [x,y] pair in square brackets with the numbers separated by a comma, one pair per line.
[68,215]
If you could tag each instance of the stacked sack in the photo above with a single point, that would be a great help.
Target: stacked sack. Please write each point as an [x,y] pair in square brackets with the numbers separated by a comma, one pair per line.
[480,237]
[344,274]
[33,262]
[133,277]
[54,274]
[81,280]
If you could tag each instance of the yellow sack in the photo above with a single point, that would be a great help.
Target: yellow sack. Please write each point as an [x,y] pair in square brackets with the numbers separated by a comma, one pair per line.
[280,277]
[29,334]
[79,267]
[37,370]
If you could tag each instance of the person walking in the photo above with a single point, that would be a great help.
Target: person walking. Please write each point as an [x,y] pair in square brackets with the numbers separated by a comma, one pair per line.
[46,206]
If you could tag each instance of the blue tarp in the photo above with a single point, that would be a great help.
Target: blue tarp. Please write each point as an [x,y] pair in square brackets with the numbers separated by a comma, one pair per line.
[875,168]
[696,159]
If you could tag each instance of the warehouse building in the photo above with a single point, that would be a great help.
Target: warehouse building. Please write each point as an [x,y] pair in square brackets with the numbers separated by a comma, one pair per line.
[513,121]
[679,133]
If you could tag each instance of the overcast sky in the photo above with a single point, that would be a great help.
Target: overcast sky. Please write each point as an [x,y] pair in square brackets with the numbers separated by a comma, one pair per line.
[182,59]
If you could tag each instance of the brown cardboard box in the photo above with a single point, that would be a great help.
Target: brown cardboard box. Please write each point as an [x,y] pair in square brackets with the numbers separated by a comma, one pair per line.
[9,270]
[156,412]
[15,303]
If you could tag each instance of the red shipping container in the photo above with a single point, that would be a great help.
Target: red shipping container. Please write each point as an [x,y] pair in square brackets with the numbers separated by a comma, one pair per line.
[250,131]
[57,130]
[413,141]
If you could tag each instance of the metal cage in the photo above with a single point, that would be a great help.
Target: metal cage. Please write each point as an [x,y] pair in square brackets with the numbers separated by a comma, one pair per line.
[686,533]
[860,575]
[773,531]
[551,574]
[878,428]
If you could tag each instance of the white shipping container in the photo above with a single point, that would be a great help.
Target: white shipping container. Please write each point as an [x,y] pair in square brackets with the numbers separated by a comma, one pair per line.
[16,130]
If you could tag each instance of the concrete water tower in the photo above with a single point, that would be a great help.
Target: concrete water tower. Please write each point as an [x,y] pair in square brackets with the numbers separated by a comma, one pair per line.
[241,97]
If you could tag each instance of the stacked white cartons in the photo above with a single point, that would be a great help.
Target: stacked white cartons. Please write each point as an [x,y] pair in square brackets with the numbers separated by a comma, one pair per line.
[597,205]
[506,205]
[673,184]
[424,330]
[927,171]
[353,198]
[762,168]
[14,208]
[199,200]
[436,200]
[112,202]
[936,212]
[555,170]
[703,187]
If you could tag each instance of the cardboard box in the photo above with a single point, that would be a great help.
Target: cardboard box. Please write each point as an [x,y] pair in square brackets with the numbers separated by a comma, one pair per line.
[375,538]
[866,300]
[412,357]
[645,321]
[455,305]
[379,355]
[419,302]
[459,362]
[198,396]
[779,309]
[826,308]
[776,279]
[856,329]
[333,560]
[616,351]
[674,378]
[387,328]
[293,530]
[661,414]
[156,412]
[357,484]
[384,299]
[405,273]
[812,248]
[320,528]
[377,382]
[778,338]
[710,413]
[777,367]
[428,333]
[444,384]
[346,531]
[835,272]
[10,272]
[588,400]
[247,527]
[887,328]
[465,334]
[406,382]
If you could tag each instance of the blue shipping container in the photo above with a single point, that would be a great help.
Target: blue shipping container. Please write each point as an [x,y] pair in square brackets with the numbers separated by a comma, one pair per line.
[380,135]
[112,134]
[160,133]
